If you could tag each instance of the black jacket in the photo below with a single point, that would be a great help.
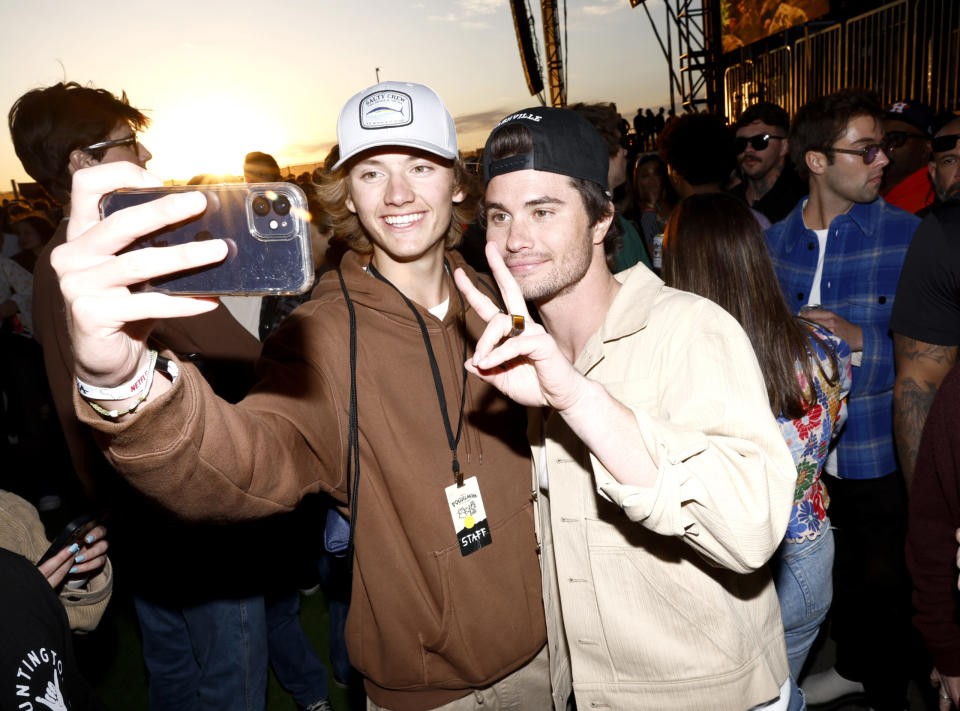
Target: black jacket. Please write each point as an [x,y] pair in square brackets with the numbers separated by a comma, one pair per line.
[37,666]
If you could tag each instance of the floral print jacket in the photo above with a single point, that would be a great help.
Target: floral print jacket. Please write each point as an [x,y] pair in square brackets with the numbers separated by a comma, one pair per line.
[809,437]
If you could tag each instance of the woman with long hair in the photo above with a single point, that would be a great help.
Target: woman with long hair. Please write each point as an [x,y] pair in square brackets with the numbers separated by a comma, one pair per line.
[713,247]
[653,200]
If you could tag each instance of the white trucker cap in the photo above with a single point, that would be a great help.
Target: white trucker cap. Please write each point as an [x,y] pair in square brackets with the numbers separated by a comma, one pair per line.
[394,113]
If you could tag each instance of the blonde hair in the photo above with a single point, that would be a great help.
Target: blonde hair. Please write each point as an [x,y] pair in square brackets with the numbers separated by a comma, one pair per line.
[332,193]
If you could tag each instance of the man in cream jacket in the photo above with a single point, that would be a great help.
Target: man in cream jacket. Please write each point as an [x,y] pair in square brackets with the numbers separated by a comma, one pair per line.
[662,481]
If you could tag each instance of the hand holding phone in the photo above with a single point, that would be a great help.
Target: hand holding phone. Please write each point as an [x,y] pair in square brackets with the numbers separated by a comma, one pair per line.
[79,551]
[108,324]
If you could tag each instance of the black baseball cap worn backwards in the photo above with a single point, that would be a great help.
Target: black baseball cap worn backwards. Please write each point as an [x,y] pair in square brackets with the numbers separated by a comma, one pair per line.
[563,142]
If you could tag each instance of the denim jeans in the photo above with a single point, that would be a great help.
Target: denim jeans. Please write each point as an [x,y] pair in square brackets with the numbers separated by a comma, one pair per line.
[205,657]
[798,701]
[803,573]
[335,576]
[293,658]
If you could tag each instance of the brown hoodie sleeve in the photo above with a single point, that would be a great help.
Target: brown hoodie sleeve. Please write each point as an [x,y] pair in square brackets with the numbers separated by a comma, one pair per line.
[215,335]
[210,460]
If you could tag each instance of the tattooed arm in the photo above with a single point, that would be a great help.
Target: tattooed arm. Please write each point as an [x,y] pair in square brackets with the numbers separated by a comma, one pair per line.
[921,368]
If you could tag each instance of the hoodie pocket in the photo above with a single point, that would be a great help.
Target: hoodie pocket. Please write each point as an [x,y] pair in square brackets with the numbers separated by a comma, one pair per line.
[492,610]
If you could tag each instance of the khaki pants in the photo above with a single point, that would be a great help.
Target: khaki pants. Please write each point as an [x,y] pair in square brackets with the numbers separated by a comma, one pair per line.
[526,689]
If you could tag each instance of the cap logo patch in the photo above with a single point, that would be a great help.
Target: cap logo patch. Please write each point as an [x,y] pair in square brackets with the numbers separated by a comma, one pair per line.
[899,107]
[386,109]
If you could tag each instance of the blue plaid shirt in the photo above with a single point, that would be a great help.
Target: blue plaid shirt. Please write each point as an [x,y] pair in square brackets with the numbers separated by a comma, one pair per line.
[866,247]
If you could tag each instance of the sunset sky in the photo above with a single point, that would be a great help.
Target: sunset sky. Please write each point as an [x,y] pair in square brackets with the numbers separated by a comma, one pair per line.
[222,78]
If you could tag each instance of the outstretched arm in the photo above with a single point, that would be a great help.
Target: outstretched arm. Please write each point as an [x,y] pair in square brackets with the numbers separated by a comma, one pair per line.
[108,324]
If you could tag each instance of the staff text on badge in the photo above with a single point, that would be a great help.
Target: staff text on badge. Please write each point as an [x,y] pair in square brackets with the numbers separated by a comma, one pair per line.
[469,516]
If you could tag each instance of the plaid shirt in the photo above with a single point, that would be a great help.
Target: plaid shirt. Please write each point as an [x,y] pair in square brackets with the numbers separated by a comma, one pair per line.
[866,247]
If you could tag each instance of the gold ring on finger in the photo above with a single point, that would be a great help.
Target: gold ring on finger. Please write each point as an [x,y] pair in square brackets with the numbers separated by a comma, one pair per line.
[518,323]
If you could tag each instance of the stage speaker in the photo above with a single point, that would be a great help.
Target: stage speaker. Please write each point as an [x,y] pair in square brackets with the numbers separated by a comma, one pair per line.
[523,23]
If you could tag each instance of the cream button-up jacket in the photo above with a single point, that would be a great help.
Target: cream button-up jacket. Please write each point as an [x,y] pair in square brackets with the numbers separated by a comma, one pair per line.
[660,598]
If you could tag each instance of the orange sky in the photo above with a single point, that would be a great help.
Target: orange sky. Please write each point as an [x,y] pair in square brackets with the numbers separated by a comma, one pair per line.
[223,78]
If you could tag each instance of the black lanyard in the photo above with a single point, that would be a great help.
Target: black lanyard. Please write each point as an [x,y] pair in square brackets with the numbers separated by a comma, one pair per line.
[452,440]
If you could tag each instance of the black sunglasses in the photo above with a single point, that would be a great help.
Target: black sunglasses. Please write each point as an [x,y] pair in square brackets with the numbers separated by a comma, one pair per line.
[127,141]
[945,143]
[758,142]
[868,153]
[896,139]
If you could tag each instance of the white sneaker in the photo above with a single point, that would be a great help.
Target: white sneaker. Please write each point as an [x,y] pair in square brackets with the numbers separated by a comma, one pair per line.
[321,705]
[828,687]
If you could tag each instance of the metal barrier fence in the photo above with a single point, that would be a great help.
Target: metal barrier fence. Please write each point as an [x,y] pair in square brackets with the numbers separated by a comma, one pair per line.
[903,49]
[935,71]
[877,51]
[739,90]
[817,64]
[776,65]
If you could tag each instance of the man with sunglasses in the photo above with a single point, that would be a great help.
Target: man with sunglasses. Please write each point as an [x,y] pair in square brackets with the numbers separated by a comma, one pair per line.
[56,131]
[838,256]
[906,184]
[769,183]
[698,150]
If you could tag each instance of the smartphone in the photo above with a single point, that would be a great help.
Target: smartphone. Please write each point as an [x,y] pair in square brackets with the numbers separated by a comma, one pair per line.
[73,532]
[266,227]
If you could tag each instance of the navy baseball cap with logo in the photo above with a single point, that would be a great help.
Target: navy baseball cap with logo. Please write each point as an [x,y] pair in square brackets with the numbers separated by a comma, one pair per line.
[394,113]
[564,142]
[918,115]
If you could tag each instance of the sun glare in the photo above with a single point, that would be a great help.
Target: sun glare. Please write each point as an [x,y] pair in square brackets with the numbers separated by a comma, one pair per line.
[209,135]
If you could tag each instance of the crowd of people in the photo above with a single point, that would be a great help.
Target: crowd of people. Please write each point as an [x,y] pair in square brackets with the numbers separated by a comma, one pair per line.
[620,420]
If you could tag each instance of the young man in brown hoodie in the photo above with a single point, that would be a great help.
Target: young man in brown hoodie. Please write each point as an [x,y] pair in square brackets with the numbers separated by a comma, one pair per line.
[446,609]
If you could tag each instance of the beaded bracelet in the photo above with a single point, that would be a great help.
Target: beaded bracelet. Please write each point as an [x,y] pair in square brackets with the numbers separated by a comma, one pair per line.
[114,414]
[142,382]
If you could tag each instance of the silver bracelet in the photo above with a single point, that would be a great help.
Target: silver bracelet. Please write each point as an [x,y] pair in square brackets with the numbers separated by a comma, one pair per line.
[130,389]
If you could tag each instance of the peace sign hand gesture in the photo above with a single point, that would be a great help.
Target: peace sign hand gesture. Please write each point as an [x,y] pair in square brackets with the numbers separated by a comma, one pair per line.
[528,367]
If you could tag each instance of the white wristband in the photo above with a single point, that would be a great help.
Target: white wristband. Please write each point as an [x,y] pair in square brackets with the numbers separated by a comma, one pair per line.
[126,391]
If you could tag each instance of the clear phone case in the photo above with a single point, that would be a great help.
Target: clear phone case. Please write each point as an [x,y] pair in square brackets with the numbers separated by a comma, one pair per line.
[266,227]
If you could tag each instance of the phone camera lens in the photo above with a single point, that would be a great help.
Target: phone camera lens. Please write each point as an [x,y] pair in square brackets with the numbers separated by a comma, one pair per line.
[281,205]
[261,206]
